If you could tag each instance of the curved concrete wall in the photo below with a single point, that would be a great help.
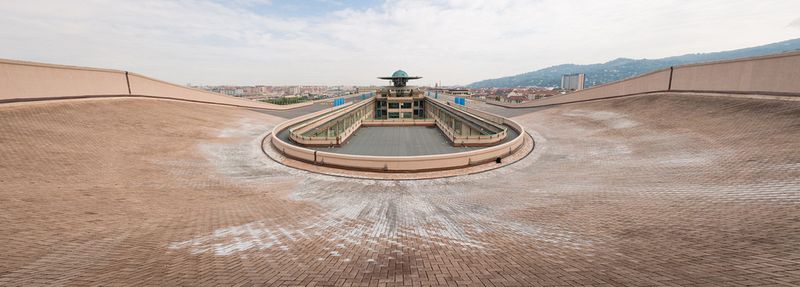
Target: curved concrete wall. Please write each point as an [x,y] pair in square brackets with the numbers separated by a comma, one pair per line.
[773,74]
[654,81]
[395,163]
[27,81]
[398,122]
[145,86]
[770,74]
[486,115]
[291,150]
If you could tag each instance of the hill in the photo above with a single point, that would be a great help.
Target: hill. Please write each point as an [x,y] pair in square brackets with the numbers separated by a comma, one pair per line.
[622,68]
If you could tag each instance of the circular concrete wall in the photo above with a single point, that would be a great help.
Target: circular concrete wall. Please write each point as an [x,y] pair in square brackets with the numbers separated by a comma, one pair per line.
[398,163]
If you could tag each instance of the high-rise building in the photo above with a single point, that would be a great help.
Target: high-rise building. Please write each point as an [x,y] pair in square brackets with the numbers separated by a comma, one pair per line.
[572,82]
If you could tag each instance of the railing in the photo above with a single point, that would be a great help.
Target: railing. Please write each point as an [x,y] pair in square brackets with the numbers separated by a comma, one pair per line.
[468,115]
[395,163]
[399,122]
[297,134]
[304,133]
[468,140]
[338,112]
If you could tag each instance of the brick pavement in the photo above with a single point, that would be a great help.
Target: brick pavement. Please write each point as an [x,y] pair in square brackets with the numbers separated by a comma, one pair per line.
[641,191]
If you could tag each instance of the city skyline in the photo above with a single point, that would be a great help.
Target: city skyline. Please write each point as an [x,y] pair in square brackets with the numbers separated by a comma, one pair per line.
[253,42]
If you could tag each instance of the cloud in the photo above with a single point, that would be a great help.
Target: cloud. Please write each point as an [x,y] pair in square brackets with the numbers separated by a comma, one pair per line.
[455,41]
[795,23]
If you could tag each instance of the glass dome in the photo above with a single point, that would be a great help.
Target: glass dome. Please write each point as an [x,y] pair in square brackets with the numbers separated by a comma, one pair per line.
[399,74]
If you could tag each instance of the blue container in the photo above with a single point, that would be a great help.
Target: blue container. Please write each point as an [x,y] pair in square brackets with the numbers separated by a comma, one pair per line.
[338,102]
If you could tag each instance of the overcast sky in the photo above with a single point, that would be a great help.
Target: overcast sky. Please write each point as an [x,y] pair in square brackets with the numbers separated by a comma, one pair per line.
[329,42]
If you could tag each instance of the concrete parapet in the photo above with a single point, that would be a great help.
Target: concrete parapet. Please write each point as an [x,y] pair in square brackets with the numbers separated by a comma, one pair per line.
[146,86]
[654,81]
[30,81]
[297,133]
[398,122]
[774,74]
[496,133]
[394,163]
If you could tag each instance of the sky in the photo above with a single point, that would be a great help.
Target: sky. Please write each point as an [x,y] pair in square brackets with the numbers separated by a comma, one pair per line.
[330,42]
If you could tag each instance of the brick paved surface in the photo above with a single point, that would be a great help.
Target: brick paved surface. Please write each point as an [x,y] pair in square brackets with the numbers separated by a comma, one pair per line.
[640,191]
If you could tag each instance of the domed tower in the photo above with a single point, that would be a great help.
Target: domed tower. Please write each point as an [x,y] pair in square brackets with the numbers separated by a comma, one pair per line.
[399,101]
[399,78]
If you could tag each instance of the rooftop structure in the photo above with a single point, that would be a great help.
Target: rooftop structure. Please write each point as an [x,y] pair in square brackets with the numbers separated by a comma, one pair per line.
[399,78]
[683,176]
[324,138]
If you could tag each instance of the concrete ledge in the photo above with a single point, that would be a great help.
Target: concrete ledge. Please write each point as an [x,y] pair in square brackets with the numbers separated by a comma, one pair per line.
[394,163]
[765,75]
[471,140]
[29,81]
[355,116]
[413,122]
[525,150]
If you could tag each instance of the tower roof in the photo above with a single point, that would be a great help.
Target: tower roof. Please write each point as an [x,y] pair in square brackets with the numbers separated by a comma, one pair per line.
[399,78]
[400,74]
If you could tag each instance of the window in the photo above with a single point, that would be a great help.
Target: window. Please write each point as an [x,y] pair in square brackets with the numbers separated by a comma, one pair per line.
[394,105]
[394,115]
[407,115]
[407,105]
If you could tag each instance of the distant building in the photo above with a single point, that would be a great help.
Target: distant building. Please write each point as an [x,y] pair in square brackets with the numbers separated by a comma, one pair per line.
[367,89]
[452,91]
[572,82]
